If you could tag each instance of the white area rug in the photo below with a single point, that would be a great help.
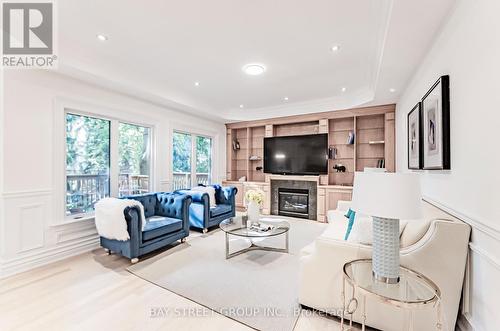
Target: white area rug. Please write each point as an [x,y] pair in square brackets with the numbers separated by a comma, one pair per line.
[257,288]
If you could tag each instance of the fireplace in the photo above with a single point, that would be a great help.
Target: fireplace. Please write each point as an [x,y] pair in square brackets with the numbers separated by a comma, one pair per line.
[303,192]
[293,202]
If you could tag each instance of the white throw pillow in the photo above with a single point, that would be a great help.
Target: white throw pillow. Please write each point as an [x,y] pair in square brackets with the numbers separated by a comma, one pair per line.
[211,193]
[362,229]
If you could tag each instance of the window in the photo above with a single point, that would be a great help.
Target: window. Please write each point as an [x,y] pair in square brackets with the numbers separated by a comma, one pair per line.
[182,160]
[135,160]
[104,157]
[192,160]
[87,162]
[203,160]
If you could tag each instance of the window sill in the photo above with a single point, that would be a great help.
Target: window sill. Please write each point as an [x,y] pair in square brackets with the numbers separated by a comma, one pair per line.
[67,221]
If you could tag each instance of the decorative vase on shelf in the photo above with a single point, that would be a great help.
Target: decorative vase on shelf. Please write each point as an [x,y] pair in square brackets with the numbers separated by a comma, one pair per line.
[253,211]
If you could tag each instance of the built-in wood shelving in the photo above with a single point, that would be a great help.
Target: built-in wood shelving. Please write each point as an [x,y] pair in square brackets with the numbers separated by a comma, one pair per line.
[338,136]
[257,149]
[374,140]
[368,129]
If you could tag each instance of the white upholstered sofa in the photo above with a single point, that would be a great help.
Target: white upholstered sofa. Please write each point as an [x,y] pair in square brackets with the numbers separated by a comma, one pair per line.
[435,246]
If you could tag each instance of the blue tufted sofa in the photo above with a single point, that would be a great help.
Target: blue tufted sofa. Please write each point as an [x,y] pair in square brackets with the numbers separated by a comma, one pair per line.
[167,220]
[201,216]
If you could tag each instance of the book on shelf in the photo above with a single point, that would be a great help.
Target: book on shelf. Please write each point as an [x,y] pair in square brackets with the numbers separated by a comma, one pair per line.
[351,138]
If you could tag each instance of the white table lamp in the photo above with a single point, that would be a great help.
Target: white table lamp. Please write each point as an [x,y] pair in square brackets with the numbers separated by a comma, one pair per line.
[387,197]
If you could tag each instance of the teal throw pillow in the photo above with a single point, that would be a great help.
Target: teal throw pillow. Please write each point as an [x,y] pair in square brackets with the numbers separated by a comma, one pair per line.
[352,215]
[349,212]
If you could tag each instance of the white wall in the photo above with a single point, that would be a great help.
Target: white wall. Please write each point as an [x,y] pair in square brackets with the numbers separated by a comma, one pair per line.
[2,232]
[28,190]
[467,49]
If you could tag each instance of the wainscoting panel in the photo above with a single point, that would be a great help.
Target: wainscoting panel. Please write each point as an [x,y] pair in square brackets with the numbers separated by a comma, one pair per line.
[31,227]
[32,238]
[480,303]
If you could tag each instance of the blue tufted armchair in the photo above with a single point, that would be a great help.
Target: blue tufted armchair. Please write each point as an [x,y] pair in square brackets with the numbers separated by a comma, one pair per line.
[167,220]
[201,216]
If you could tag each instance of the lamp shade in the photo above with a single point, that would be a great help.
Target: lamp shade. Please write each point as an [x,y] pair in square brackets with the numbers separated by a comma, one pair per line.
[387,195]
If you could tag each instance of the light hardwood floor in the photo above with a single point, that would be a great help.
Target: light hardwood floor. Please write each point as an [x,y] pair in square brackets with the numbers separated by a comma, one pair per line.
[94,291]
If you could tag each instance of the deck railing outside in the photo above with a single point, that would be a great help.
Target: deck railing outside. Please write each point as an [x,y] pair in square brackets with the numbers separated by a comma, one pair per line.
[83,191]
[182,180]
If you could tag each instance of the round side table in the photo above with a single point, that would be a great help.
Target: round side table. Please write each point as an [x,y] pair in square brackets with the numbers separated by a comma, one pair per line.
[413,291]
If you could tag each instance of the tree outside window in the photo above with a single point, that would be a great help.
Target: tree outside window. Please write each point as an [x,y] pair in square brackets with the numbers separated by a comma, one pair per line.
[87,162]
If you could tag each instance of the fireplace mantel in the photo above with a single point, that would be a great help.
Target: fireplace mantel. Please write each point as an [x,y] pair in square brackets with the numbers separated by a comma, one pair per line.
[293,177]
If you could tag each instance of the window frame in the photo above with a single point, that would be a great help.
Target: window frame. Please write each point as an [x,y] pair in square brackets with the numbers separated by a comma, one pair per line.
[115,117]
[70,111]
[193,134]
[151,140]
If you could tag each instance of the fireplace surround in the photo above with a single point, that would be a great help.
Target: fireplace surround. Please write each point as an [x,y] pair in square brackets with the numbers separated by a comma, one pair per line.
[294,198]
[293,202]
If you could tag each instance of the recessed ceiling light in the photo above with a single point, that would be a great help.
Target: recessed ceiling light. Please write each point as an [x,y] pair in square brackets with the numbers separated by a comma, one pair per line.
[392,90]
[285,99]
[344,89]
[335,48]
[196,83]
[241,106]
[254,69]
[102,37]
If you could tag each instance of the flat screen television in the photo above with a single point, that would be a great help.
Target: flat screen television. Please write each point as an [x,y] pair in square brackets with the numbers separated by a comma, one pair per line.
[296,155]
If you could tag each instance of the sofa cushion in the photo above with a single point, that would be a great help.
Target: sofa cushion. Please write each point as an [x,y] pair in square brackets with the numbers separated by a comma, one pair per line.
[336,230]
[223,194]
[414,231]
[148,201]
[336,215]
[220,210]
[157,226]
[362,231]
[220,196]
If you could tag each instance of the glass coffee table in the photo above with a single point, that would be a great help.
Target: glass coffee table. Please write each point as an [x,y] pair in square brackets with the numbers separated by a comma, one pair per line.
[240,226]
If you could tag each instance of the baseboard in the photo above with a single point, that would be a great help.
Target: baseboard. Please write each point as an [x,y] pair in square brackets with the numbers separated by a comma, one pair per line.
[15,266]
[463,324]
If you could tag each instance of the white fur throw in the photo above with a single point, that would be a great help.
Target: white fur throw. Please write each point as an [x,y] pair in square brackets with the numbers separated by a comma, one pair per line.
[211,193]
[110,221]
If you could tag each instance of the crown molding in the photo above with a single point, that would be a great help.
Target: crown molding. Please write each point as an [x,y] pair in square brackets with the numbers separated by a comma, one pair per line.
[130,90]
[348,101]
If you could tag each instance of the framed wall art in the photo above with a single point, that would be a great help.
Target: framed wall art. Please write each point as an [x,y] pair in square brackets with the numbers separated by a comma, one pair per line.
[414,134]
[435,108]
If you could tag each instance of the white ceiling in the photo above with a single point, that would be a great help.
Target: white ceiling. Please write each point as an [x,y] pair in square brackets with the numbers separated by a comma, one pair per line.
[157,49]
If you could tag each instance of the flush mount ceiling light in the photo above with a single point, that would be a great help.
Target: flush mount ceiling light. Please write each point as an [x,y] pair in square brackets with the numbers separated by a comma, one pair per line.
[392,90]
[335,48]
[344,89]
[285,99]
[241,106]
[254,69]
[102,37]
[196,83]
